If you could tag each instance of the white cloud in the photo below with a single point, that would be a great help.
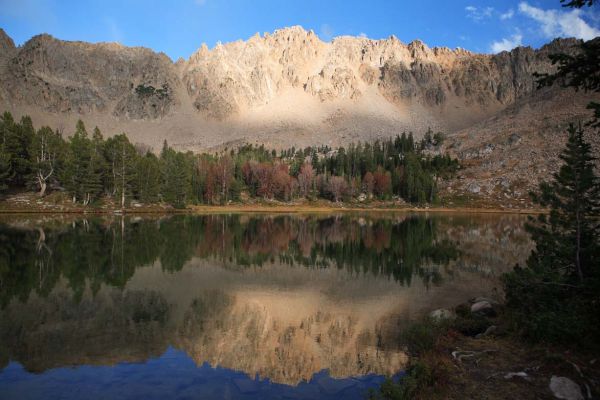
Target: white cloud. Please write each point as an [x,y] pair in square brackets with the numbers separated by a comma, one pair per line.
[326,32]
[200,2]
[507,44]
[478,14]
[555,23]
[507,15]
[362,35]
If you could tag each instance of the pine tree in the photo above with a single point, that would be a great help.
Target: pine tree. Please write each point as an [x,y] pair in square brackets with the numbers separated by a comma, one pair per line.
[147,178]
[427,139]
[16,142]
[5,170]
[93,183]
[573,201]
[121,158]
[175,178]
[78,163]
[556,294]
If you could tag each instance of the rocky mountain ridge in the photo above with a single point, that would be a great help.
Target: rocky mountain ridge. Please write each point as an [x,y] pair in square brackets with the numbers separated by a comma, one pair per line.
[447,89]
[288,88]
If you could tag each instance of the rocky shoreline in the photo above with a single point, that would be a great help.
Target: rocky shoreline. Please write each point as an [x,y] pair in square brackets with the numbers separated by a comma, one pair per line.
[477,353]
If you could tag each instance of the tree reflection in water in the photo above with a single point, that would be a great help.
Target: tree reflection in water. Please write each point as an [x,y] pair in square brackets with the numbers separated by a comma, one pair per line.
[280,297]
[107,251]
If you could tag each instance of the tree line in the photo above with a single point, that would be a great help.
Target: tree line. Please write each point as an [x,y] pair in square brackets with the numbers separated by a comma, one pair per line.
[89,168]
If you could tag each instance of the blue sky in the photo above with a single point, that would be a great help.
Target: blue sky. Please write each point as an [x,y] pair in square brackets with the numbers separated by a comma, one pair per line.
[179,27]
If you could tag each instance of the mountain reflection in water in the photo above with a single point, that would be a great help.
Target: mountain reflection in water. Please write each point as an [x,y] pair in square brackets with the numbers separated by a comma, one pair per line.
[272,301]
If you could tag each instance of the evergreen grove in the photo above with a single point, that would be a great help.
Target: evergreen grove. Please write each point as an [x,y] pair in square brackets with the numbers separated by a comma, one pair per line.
[90,168]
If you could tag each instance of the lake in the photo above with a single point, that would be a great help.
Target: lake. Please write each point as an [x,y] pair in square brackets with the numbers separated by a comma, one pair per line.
[232,306]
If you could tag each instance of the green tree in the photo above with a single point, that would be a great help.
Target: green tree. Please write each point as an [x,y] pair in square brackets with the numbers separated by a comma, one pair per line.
[16,142]
[438,138]
[6,170]
[78,163]
[94,183]
[147,178]
[175,178]
[417,185]
[556,295]
[121,158]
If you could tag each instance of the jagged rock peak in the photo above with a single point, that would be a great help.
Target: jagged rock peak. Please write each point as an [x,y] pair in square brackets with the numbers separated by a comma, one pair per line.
[287,75]
[309,43]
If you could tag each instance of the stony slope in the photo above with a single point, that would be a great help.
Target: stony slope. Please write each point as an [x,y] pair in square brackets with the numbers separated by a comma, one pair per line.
[290,88]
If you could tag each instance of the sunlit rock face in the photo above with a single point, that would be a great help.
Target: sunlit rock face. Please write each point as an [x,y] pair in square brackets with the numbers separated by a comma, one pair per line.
[279,87]
[232,78]
[278,297]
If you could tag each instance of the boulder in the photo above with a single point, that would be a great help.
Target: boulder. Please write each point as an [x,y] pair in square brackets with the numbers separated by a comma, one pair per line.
[441,314]
[482,307]
[473,187]
[564,388]
[489,331]
[489,300]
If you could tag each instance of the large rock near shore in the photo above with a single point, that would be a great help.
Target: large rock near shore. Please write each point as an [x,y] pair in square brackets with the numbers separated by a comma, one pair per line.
[564,388]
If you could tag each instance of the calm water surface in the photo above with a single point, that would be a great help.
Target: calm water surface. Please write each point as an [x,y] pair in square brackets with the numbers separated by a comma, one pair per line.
[231,306]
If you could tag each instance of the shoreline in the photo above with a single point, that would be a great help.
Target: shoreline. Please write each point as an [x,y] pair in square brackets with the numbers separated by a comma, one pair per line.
[272,209]
[298,209]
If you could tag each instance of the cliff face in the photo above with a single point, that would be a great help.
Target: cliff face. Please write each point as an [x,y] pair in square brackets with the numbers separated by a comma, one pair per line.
[286,88]
[82,78]
[233,80]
